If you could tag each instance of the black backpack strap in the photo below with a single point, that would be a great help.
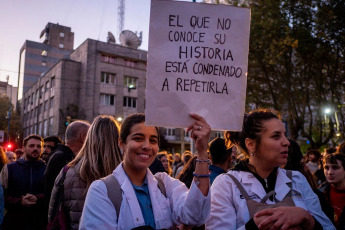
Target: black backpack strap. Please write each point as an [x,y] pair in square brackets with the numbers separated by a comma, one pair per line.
[289,175]
[114,192]
[240,187]
[161,185]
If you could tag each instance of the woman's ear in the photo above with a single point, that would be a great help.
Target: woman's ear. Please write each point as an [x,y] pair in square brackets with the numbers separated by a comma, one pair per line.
[120,144]
[251,145]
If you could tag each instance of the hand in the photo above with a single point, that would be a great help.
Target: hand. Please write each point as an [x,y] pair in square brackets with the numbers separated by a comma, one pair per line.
[200,134]
[29,200]
[284,218]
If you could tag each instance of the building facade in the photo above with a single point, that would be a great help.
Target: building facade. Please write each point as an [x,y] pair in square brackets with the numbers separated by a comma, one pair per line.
[7,90]
[96,78]
[36,58]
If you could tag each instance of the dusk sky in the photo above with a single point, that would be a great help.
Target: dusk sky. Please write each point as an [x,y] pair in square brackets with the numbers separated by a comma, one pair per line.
[22,20]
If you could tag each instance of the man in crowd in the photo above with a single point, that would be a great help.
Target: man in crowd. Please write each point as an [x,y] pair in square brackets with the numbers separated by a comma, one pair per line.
[50,145]
[74,139]
[334,188]
[22,181]
[19,153]
[220,156]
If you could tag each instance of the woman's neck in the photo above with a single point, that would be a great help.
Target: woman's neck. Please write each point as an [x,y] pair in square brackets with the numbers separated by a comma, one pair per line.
[135,176]
[261,168]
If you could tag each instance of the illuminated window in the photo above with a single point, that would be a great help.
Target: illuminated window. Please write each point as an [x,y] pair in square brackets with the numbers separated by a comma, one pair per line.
[44,63]
[61,45]
[130,82]
[62,34]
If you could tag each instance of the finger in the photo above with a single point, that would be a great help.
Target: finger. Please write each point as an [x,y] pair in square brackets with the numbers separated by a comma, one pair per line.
[197,117]
[265,212]
[267,222]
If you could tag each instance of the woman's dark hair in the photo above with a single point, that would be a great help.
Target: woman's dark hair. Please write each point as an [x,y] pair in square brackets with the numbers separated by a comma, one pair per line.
[129,122]
[295,163]
[186,175]
[252,127]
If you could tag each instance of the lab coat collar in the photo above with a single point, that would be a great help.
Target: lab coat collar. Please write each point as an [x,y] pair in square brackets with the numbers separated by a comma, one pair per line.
[252,184]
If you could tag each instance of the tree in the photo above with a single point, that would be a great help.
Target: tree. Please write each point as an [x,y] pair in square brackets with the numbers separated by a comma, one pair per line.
[15,124]
[296,63]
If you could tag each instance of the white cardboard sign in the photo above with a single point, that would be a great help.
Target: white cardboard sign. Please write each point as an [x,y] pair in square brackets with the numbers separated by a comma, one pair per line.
[197,63]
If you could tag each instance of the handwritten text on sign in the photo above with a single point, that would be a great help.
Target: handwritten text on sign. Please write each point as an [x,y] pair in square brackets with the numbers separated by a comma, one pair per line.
[197,63]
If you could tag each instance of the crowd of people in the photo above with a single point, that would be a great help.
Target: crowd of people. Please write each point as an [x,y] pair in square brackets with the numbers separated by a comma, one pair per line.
[110,176]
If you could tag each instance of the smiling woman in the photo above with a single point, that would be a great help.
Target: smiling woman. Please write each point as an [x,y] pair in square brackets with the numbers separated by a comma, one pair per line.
[145,204]
[257,193]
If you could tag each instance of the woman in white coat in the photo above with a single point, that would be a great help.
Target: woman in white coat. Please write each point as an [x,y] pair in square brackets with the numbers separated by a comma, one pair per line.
[143,203]
[289,202]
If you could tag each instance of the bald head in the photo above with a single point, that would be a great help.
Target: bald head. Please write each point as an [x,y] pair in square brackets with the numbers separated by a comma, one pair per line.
[76,133]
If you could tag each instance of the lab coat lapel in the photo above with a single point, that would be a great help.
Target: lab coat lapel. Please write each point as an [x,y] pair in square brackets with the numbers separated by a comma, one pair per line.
[282,187]
[250,183]
[129,195]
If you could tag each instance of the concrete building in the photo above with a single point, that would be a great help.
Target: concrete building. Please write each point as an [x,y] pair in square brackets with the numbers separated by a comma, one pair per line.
[96,78]
[36,58]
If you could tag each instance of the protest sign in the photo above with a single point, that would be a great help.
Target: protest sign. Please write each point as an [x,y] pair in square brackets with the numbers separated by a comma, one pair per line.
[197,63]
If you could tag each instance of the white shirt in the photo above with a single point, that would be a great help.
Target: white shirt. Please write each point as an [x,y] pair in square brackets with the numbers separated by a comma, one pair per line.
[229,208]
[180,205]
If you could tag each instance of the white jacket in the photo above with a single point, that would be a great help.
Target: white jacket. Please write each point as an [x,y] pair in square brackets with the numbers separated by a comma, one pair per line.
[180,206]
[229,208]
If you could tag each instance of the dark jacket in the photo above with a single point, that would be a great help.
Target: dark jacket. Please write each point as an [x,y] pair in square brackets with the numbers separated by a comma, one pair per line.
[325,188]
[25,177]
[62,156]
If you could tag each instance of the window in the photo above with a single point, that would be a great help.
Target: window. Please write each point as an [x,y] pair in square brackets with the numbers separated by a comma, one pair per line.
[44,63]
[44,53]
[51,122]
[108,78]
[62,34]
[129,102]
[47,85]
[170,132]
[130,63]
[51,104]
[106,99]
[45,128]
[130,82]
[61,45]
[45,105]
[108,58]
[53,82]
[41,91]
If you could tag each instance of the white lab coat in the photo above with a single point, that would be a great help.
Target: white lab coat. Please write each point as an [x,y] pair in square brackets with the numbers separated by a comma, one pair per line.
[229,208]
[180,205]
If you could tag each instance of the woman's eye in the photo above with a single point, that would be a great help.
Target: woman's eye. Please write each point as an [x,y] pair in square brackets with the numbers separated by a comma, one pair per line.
[137,138]
[154,141]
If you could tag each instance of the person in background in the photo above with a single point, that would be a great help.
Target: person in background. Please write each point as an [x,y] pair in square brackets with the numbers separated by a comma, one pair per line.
[163,157]
[98,157]
[186,175]
[50,145]
[186,156]
[177,160]
[11,156]
[143,203]
[19,153]
[3,158]
[341,148]
[313,157]
[22,181]
[221,158]
[257,193]
[74,139]
[334,188]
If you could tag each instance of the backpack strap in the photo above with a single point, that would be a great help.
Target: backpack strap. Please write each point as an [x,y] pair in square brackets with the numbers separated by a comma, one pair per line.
[240,187]
[289,175]
[114,192]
